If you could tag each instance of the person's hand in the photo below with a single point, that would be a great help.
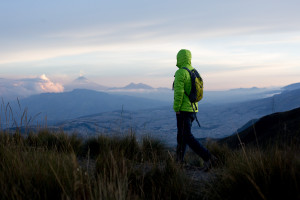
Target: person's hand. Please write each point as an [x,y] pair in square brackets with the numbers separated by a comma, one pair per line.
[177,113]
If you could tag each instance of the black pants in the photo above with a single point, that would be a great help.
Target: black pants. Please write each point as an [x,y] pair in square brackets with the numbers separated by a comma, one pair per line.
[185,137]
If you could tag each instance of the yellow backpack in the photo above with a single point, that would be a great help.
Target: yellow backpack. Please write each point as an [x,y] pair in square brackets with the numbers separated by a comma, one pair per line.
[196,93]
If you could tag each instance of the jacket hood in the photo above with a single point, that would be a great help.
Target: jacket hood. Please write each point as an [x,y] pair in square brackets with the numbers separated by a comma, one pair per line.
[184,58]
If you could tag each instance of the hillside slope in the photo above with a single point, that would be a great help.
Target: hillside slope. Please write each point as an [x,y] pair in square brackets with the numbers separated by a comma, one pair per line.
[275,128]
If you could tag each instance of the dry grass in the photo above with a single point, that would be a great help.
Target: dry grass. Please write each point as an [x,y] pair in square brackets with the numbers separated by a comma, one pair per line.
[252,173]
[59,166]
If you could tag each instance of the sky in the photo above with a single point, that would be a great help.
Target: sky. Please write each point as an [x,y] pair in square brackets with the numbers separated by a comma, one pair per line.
[234,43]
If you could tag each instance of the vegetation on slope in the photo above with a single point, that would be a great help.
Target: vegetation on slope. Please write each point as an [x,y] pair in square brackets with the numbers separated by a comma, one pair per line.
[254,173]
[55,165]
[59,166]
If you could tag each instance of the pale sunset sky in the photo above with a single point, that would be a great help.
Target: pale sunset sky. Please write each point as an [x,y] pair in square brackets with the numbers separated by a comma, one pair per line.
[234,43]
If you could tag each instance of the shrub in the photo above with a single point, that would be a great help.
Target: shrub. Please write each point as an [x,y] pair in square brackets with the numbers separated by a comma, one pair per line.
[60,141]
[102,145]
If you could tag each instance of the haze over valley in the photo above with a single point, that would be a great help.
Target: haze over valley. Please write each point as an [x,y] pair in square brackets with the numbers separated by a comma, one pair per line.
[90,109]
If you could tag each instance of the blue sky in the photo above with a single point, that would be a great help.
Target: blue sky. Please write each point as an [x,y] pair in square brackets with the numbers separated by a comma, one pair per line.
[233,43]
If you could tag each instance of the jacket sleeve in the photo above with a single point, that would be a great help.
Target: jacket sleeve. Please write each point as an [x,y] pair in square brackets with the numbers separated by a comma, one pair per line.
[178,90]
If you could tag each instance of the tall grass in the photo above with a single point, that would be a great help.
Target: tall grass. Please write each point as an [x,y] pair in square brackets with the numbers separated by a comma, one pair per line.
[253,173]
[13,116]
[49,165]
[34,174]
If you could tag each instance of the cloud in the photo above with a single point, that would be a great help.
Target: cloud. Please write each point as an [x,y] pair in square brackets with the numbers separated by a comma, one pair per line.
[20,88]
[48,86]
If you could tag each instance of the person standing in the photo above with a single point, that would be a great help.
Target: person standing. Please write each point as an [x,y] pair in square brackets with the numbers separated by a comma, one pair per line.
[185,113]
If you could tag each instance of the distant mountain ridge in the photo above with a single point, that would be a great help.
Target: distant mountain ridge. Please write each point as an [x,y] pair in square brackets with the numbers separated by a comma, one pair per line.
[293,86]
[83,83]
[80,102]
[144,91]
[138,86]
[133,86]
[81,79]
[246,89]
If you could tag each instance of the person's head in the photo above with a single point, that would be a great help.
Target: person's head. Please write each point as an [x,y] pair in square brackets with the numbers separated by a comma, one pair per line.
[184,58]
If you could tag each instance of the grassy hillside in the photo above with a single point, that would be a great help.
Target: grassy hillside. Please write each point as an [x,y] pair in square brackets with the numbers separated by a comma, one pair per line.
[55,165]
[58,166]
[48,165]
[254,173]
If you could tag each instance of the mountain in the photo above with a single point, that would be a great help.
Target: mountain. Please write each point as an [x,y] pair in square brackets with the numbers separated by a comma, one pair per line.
[226,119]
[80,102]
[238,95]
[166,94]
[293,86]
[252,89]
[277,128]
[144,91]
[81,79]
[83,83]
[133,86]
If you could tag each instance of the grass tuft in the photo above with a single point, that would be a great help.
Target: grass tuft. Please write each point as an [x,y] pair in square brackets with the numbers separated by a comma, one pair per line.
[252,173]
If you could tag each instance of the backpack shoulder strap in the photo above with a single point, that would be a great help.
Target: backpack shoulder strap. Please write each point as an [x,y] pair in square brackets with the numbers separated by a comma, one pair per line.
[190,76]
[187,69]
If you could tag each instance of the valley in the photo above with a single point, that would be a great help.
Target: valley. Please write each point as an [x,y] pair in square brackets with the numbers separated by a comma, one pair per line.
[133,107]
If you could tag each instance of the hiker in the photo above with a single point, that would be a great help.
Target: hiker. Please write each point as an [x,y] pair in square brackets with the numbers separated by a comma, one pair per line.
[185,111]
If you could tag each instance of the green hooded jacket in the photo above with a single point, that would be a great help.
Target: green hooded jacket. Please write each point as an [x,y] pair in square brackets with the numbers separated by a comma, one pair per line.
[183,83]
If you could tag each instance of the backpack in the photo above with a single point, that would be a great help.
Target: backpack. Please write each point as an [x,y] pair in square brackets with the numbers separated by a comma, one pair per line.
[196,93]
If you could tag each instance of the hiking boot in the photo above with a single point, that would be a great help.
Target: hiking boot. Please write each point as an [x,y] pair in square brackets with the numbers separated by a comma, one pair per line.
[207,165]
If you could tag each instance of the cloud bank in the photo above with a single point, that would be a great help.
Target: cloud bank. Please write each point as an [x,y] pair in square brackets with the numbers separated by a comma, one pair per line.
[133,39]
[20,88]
